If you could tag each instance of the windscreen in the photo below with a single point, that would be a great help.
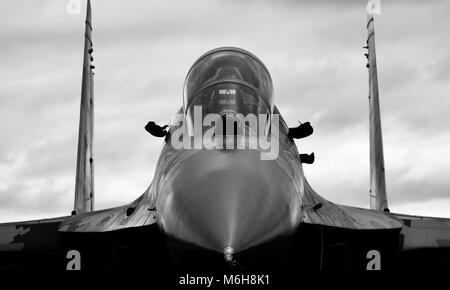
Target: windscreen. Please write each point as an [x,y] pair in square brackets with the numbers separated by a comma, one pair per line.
[228,81]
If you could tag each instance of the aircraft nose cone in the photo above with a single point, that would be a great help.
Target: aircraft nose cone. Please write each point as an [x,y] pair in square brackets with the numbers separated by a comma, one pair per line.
[222,199]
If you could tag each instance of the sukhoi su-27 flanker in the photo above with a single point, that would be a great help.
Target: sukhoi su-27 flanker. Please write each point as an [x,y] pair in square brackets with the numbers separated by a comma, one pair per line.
[223,197]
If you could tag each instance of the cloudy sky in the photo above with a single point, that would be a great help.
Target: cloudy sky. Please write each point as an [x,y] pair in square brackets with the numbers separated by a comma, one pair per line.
[143,50]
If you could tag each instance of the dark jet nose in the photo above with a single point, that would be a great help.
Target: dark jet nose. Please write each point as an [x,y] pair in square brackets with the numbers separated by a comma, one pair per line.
[219,199]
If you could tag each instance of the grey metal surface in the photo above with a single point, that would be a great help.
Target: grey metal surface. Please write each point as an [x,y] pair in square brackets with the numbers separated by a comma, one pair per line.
[378,198]
[84,180]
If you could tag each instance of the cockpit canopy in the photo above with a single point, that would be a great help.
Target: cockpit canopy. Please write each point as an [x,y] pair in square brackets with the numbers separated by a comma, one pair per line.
[228,80]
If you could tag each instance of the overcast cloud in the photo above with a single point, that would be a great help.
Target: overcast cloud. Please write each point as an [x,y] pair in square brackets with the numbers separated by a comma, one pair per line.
[143,50]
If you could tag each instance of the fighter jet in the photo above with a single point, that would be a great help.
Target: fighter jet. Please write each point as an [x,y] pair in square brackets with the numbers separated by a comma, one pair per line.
[229,197]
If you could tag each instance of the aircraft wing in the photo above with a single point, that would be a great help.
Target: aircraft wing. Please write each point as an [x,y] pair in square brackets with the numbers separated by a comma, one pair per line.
[38,239]
[141,212]
[424,232]
[416,232]
[348,217]
[340,216]
[43,244]
[30,235]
